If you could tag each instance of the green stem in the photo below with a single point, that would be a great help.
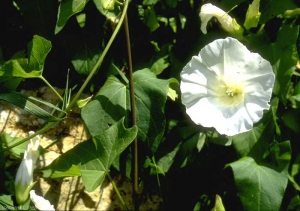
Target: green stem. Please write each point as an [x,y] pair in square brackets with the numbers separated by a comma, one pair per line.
[52,88]
[41,131]
[117,191]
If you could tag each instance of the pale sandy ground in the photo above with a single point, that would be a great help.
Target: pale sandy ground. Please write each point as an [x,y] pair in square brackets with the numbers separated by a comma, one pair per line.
[68,193]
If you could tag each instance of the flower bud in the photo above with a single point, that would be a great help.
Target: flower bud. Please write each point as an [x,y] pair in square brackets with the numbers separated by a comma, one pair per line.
[228,23]
[24,178]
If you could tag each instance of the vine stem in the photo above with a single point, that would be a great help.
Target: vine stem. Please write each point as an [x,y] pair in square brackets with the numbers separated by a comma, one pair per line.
[96,67]
[52,88]
[117,191]
[133,114]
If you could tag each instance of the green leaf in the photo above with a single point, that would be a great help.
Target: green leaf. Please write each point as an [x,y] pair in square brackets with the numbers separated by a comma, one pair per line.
[283,56]
[38,50]
[81,19]
[294,175]
[183,154]
[67,9]
[150,18]
[252,15]
[218,204]
[291,120]
[109,14]
[94,158]
[108,4]
[23,102]
[112,103]
[161,60]
[8,140]
[261,185]
[6,202]
[257,140]
[85,53]
[272,8]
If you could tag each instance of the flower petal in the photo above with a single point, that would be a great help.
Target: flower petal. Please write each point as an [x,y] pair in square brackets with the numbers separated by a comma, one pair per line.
[40,202]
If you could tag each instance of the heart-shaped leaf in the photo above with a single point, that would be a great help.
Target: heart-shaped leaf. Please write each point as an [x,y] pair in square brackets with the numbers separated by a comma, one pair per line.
[261,185]
[112,103]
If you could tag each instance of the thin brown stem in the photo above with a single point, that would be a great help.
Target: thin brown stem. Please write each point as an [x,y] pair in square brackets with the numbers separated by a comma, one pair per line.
[133,113]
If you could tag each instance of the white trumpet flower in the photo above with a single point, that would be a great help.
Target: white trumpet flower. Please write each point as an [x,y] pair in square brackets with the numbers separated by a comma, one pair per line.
[24,177]
[227,87]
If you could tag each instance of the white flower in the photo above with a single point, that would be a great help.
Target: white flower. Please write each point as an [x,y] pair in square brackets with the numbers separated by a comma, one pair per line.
[40,202]
[229,24]
[227,87]
[24,177]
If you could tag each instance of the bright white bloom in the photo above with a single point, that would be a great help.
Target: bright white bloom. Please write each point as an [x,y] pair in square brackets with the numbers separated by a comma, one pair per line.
[228,23]
[227,87]
[24,177]
[40,202]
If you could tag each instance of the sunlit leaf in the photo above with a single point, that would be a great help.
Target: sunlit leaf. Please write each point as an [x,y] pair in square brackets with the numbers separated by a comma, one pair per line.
[252,15]
[112,103]
[26,103]
[14,70]
[110,14]
[67,9]
[93,158]
[81,19]
[261,185]
[6,202]
[218,204]
[108,4]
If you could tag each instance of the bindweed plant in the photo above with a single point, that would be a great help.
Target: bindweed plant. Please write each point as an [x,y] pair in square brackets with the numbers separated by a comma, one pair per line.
[200,98]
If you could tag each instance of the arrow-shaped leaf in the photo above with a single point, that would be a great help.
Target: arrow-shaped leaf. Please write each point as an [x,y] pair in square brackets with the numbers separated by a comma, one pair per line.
[93,160]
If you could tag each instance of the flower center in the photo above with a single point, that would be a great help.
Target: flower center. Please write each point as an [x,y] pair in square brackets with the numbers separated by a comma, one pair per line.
[233,91]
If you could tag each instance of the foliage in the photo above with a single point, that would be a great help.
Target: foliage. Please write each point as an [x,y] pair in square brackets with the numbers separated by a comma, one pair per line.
[193,166]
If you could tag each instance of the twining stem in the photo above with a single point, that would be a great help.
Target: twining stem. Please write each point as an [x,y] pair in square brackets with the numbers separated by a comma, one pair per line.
[133,112]
[117,191]
[96,67]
